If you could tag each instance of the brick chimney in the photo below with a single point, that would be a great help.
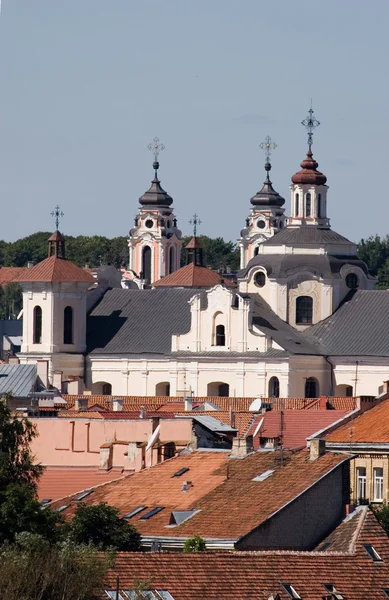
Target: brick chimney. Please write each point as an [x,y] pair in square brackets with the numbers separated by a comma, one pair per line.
[81,403]
[241,446]
[317,448]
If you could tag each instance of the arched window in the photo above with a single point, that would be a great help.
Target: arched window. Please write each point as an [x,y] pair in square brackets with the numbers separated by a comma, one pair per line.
[171,259]
[162,389]
[319,206]
[146,264]
[296,205]
[260,279]
[311,388]
[308,204]
[220,335]
[218,388]
[274,388]
[304,310]
[107,389]
[352,281]
[37,325]
[68,325]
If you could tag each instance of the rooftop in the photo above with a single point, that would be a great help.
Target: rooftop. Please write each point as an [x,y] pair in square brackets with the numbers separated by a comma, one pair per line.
[372,426]
[59,482]
[55,269]
[192,276]
[20,380]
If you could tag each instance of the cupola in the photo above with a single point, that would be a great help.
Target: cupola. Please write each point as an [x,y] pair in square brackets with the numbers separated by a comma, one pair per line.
[267,196]
[309,173]
[155,195]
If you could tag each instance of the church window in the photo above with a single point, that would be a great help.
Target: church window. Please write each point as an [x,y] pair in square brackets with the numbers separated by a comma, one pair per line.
[352,281]
[220,335]
[37,325]
[296,204]
[218,388]
[274,388]
[146,264]
[319,206]
[260,279]
[171,259]
[149,223]
[311,388]
[68,325]
[304,310]
[106,389]
[162,389]
[256,250]
[261,224]
[308,204]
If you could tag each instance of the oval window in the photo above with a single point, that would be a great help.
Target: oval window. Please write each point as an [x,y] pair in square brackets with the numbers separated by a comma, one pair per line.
[261,224]
[149,223]
[260,279]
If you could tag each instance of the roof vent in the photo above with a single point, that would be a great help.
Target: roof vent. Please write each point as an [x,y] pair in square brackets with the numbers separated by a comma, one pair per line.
[180,472]
[187,485]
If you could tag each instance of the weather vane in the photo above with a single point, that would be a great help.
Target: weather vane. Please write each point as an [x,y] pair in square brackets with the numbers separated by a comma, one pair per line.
[57,213]
[267,146]
[310,123]
[195,221]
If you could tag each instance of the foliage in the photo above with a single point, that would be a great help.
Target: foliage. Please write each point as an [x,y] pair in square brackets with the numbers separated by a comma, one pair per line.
[195,544]
[218,254]
[382,514]
[34,569]
[101,526]
[11,301]
[374,251]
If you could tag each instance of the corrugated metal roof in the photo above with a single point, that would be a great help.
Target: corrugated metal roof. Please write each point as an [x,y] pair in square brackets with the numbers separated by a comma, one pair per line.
[212,424]
[20,380]
[307,235]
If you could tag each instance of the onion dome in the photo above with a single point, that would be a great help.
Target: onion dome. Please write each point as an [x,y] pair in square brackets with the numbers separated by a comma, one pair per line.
[267,196]
[156,195]
[309,173]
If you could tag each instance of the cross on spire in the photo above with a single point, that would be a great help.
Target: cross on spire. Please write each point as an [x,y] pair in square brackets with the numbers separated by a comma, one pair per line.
[267,146]
[58,214]
[156,147]
[195,221]
[310,122]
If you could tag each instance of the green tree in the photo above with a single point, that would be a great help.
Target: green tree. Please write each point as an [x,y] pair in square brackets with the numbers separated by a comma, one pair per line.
[31,248]
[374,251]
[11,301]
[102,526]
[218,254]
[34,569]
[195,544]
[382,515]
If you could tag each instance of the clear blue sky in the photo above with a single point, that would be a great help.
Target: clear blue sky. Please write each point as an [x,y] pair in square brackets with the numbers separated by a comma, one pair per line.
[86,84]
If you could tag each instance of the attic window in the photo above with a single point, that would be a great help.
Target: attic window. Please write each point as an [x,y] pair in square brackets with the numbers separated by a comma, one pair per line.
[264,475]
[179,516]
[331,589]
[61,508]
[372,552]
[151,513]
[181,472]
[291,591]
[134,512]
[82,495]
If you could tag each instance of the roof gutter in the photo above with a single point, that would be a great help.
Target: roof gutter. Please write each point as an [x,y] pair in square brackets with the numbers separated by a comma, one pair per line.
[356,447]
[177,543]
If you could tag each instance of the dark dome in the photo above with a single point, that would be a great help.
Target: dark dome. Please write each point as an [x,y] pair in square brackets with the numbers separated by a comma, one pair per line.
[156,195]
[267,196]
[309,173]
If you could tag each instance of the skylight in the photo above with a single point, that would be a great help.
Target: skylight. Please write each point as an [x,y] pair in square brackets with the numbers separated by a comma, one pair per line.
[179,516]
[45,501]
[264,475]
[324,546]
[372,552]
[291,591]
[386,592]
[151,513]
[113,595]
[148,594]
[61,508]
[331,589]
[181,472]
[134,512]
[82,495]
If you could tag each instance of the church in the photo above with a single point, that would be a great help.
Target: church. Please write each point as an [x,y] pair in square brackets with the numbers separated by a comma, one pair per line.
[303,319]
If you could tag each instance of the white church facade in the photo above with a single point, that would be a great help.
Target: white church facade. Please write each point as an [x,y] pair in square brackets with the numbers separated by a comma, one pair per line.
[304,319]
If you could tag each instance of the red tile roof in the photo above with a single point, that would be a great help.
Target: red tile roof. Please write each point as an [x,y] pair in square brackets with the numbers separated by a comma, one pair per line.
[8,274]
[59,482]
[260,575]
[56,269]
[190,276]
[296,425]
[371,426]
[222,491]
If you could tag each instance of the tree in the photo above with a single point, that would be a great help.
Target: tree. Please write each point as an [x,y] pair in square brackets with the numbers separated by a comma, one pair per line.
[218,254]
[34,569]
[195,544]
[374,251]
[382,515]
[101,526]
[11,301]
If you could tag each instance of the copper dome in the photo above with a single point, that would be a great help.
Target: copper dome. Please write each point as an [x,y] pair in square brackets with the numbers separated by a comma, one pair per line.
[309,173]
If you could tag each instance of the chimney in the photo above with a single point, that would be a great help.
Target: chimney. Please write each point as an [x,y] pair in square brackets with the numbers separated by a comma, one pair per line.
[81,404]
[142,414]
[30,264]
[317,447]
[188,404]
[241,446]
[106,456]
[117,404]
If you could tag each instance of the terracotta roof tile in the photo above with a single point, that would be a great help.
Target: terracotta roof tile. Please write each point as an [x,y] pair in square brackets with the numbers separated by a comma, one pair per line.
[371,426]
[222,491]
[242,575]
[190,276]
[10,274]
[56,269]
[59,482]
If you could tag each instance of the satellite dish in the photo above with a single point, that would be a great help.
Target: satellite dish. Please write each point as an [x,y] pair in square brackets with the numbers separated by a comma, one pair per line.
[256,405]
[153,437]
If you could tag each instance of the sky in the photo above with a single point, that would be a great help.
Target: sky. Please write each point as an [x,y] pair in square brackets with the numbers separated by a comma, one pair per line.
[85,85]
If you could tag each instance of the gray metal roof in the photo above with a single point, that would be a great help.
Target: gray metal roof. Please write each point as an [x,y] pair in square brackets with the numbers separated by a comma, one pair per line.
[212,424]
[358,328]
[20,380]
[139,321]
[307,235]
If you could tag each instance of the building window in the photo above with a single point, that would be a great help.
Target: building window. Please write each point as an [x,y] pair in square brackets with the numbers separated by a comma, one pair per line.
[220,335]
[378,484]
[311,388]
[274,388]
[361,485]
[106,389]
[256,251]
[349,391]
[296,204]
[37,325]
[146,264]
[260,279]
[308,204]
[68,325]
[171,260]
[319,206]
[261,224]
[352,281]
[304,310]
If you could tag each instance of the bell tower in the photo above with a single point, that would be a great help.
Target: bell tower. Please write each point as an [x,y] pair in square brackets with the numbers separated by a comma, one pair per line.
[266,218]
[155,240]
